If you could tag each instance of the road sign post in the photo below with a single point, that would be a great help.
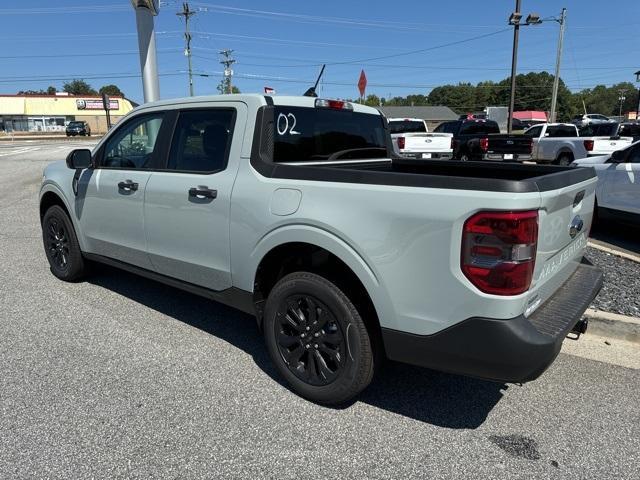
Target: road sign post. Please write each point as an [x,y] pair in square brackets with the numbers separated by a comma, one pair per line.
[107,106]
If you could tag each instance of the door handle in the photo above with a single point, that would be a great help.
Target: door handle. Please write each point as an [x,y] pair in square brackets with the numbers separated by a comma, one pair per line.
[128,185]
[202,191]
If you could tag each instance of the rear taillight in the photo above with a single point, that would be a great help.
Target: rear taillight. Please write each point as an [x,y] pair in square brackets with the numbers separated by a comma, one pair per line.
[499,251]
[484,144]
[588,145]
[531,145]
[453,144]
[401,143]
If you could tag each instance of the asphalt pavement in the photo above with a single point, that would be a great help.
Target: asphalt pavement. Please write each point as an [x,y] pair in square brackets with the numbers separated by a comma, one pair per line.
[118,376]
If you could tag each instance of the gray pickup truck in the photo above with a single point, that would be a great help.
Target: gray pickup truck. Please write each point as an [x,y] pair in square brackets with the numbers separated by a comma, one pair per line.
[294,209]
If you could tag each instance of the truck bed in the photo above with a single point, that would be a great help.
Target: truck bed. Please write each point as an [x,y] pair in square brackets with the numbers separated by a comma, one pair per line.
[485,176]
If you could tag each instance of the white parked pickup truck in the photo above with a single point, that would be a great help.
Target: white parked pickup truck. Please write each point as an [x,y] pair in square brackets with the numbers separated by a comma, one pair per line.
[411,139]
[604,138]
[556,143]
[618,189]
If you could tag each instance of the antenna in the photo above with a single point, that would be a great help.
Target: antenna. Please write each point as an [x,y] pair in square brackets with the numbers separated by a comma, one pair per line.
[311,92]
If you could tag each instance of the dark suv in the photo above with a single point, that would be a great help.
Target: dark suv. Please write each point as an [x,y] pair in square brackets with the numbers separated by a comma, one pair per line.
[78,128]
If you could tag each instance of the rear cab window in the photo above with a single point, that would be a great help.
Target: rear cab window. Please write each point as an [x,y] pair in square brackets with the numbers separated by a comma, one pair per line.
[406,126]
[307,134]
[561,131]
[479,127]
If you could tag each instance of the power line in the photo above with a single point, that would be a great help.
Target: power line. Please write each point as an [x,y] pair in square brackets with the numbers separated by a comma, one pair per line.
[65,10]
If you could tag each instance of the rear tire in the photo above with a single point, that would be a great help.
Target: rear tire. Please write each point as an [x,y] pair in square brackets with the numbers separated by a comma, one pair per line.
[564,159]
[464,158]
[317,339]
[61,245]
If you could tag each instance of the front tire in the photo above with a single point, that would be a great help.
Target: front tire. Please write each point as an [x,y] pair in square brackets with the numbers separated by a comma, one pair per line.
[465,158]
[61,245]
[317,339]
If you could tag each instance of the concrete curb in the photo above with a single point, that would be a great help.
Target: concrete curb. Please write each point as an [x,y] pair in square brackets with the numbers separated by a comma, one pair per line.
[613,325]
[613,251]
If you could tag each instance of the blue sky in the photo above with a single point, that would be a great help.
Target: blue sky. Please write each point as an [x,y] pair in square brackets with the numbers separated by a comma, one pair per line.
[281,44]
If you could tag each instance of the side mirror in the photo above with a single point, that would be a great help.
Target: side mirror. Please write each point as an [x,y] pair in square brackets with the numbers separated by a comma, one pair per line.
[617,156]
[79,158]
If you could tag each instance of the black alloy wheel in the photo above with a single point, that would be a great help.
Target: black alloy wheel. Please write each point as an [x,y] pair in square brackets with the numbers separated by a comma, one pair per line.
[61,245]
[317,339]
[57,243]
[310,340]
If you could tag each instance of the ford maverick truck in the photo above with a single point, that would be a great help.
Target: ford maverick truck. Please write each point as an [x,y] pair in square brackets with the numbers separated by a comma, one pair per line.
[296,210]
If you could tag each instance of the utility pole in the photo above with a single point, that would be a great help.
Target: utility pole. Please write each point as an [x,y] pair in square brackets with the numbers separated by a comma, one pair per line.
[227,62]
[187,13]
[621,98]
[556,79]
[515,21]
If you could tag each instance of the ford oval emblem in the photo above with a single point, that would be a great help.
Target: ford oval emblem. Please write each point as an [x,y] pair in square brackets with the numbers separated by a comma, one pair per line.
[428,140]
[509,142]
[576,226]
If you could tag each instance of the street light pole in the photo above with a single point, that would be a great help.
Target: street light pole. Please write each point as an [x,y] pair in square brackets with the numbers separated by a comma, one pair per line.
[145,11]
[556,78]
[514,60]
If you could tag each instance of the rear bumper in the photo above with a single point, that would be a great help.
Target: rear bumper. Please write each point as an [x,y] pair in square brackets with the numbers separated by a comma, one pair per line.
[432,155]
[513,350]
[516,157]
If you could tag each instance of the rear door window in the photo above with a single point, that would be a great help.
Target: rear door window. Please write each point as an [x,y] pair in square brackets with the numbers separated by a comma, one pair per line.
[202,140]
[303,134]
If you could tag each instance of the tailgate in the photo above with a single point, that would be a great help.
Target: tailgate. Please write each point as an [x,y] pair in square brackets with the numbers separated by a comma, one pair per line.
[607,145]
[514,144]
[564,223]
[427,142]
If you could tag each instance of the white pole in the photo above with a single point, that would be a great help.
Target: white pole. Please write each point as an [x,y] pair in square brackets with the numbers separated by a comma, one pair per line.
[147,47]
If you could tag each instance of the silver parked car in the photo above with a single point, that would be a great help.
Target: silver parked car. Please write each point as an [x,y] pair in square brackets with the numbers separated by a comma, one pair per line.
[583,120]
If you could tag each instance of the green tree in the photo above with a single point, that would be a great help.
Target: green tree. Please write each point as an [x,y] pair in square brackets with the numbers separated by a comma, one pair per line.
[111,90]
[372,100]
[51,90]
[78,87]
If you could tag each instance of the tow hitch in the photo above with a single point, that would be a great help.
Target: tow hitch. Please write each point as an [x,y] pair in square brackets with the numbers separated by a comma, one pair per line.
[579,328]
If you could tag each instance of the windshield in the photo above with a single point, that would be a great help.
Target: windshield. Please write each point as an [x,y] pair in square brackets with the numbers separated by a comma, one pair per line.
[407,126]
[75,124]
[304,134]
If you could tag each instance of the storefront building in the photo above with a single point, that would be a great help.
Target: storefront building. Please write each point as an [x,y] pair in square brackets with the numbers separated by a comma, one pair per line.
[51,113]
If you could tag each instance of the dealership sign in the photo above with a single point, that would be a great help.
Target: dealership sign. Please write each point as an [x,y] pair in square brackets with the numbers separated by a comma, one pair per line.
[96,104]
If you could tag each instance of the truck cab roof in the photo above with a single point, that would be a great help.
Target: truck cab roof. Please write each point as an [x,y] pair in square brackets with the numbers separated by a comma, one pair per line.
[253,99]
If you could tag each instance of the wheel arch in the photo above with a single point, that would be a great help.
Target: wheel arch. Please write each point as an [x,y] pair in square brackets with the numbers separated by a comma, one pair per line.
[306,248]
[50,195]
